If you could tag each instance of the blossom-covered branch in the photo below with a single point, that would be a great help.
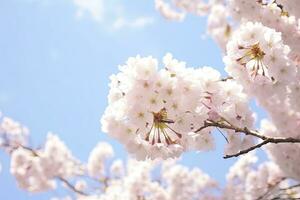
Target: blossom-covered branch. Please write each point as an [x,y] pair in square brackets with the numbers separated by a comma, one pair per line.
[154,112]
[36,154]
[261,45]
[135,181]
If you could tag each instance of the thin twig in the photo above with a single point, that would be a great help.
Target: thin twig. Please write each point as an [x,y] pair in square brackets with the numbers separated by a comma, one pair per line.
[286,198]
[72,187]
[291,187]
[227,78]
[223,135]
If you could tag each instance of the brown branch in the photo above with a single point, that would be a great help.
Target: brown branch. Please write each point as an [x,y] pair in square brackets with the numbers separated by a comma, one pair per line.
[265,139]
[72,187]
[285,194]
[286,198]
[291,187]
[246,150]
[105,182]
[226,78]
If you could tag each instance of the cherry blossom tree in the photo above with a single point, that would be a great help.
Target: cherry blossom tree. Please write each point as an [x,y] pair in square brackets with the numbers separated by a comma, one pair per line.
[159,110]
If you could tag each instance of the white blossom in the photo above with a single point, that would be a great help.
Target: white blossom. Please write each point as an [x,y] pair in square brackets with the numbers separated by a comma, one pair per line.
[168,12]
[36,170]
[155,112]
[97,158]
[12,134]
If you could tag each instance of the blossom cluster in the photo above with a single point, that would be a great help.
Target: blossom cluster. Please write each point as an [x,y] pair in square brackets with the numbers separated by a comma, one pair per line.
[105,178]
[196,7]
[292,7]
[36,170]
[246,180]
[261,44]
[259,60]
[272,15]
[12,134]
[225,16]
[168,12]
[156,112]
[137,182]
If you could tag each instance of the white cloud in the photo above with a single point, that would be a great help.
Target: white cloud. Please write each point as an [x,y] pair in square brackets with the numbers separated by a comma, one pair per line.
[139,22]
[108,13]
[114,16]
[93,7]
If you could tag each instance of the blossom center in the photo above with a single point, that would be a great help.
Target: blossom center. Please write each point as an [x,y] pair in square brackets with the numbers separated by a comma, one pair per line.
[160,131]
[253,60]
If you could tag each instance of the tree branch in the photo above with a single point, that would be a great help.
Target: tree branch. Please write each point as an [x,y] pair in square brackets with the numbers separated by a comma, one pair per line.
[226,78]
[224,124]
[72,187]
[291,187]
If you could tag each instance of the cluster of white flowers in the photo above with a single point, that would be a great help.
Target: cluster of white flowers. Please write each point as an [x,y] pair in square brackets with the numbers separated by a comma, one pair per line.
[269,14]
[245,181]
[155,113]
[176,10]
[97,159]
[174,182]
[36,170]
[218,26]
[184,183]
[286,156]
[196,7]
[259,61]
[257,58]
[291,6]
[168,12]
[138,182]
[12,134]
[282,15]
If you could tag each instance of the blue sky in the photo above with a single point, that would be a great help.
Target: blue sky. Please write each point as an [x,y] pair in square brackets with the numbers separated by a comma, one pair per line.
[55,63]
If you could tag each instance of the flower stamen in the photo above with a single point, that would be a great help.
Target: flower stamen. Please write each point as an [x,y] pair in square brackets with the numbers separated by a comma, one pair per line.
[254,54]
[159,129]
